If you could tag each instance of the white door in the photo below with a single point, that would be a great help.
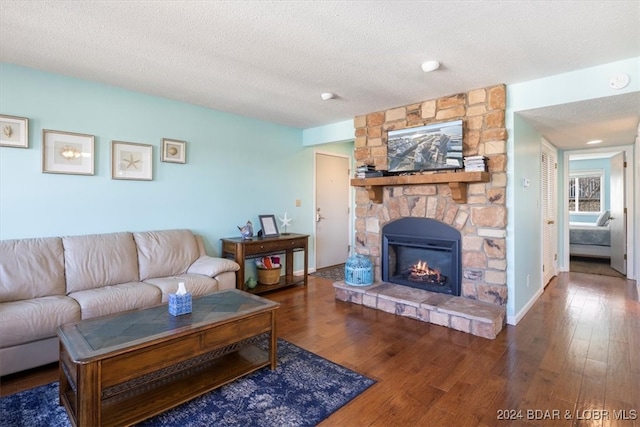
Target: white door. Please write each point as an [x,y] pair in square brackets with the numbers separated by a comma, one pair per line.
[549,212]
[332,209]
[618,215]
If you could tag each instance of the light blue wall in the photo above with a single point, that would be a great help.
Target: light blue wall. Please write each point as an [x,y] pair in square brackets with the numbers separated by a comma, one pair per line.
[526,208]
[237,168]
[593,164]
[341,131]
[525,259]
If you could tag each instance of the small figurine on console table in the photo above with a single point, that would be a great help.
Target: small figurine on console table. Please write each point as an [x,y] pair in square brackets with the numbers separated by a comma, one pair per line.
[285,223]
[246,231]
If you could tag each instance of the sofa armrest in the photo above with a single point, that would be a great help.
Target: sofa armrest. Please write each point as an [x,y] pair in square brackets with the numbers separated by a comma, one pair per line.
[210,266]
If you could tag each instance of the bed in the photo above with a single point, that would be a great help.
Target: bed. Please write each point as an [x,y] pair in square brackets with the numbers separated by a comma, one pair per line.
[591,240]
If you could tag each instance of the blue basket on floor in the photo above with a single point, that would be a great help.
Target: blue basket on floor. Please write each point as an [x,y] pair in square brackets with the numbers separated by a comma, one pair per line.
[358,271]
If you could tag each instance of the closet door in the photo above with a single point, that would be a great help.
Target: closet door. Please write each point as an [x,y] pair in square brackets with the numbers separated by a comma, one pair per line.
[549,212]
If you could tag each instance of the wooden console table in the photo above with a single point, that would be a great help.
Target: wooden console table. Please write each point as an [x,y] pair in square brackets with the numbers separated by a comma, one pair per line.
[241,250]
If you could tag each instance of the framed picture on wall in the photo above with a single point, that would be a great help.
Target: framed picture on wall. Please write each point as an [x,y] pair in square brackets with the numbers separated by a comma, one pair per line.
[14,131]
[130,160]
[173,151]
[67,152]
[269,226]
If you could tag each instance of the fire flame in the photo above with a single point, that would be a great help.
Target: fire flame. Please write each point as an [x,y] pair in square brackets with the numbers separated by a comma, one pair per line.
[421,268]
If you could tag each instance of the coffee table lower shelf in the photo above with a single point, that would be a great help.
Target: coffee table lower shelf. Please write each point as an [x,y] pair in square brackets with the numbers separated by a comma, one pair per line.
[139,403]
[119,411]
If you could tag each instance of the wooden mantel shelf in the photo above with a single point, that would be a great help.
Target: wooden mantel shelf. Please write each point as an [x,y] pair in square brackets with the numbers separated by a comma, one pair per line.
[457,182]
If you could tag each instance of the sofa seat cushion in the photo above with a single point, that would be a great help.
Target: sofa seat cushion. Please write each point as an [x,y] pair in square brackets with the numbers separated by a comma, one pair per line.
[35,319]
[97,260]
[195,284]
[165,253]
[116,298]
[31,268]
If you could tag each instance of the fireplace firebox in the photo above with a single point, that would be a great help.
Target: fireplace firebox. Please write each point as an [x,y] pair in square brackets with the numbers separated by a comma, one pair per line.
[422,253]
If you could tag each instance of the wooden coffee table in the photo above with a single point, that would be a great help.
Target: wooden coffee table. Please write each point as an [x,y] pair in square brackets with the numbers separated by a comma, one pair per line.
[124,368]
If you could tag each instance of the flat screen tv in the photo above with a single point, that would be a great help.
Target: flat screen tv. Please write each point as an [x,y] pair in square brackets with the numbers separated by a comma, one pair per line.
[425,148]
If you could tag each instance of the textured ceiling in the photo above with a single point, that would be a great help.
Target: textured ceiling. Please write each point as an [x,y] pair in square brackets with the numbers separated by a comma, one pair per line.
[271,59]
[613,119]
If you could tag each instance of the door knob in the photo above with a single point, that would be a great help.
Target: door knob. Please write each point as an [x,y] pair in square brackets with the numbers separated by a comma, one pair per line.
[318,216]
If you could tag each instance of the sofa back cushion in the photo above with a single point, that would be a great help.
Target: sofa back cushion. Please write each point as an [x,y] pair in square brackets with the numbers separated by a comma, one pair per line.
[98,260]
[165,253]
[31,268]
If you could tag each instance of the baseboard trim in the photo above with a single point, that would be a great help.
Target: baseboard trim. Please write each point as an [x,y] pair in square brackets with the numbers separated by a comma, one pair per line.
[513,320]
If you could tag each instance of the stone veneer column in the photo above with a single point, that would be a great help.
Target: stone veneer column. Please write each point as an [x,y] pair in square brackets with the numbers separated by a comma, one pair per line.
[481,221]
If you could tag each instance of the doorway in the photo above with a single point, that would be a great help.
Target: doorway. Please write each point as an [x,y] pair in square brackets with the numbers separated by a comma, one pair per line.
[332,209]
[597,240]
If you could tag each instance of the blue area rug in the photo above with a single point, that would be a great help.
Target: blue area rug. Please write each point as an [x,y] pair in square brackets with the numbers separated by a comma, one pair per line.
[302,391]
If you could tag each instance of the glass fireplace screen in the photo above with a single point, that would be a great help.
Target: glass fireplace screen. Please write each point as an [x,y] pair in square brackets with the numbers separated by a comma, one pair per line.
[428,266]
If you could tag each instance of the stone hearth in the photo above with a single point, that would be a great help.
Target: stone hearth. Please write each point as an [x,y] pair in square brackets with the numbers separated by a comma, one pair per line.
[463,314]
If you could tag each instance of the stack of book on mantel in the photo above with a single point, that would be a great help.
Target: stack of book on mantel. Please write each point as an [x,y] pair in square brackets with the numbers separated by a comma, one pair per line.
[475,164]
[367,171]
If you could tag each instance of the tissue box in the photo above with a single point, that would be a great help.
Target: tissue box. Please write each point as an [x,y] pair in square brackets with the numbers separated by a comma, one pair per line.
[179,304]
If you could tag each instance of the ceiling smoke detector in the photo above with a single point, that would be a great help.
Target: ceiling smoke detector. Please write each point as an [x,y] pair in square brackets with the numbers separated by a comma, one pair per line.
[430,66]
[327,96]
[619,81]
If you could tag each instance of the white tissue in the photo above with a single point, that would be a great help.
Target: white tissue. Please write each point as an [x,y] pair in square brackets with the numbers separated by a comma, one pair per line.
[181,289]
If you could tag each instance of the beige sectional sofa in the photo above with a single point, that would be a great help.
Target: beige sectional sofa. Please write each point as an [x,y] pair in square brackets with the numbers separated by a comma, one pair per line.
[46,282]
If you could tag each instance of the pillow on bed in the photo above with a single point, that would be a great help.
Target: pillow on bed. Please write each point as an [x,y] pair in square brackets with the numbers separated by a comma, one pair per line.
[603,218]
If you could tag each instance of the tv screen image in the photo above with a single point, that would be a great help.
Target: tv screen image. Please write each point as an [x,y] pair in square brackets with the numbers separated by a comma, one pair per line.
[426,148]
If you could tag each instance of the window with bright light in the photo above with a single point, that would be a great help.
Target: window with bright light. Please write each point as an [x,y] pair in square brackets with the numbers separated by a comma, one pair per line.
[586,191]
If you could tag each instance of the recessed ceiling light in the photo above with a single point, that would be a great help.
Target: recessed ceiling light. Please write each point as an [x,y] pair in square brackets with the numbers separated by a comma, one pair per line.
[430,66]
[327,96]
[594,141]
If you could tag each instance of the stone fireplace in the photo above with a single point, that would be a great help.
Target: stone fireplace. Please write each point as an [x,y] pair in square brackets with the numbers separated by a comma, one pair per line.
[475,210]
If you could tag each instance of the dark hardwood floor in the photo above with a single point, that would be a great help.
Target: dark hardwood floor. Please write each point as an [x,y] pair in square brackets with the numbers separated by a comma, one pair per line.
[574,359]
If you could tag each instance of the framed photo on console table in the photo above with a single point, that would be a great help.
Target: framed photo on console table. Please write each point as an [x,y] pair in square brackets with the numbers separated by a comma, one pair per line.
[131,161]
[269,227]
[67,152]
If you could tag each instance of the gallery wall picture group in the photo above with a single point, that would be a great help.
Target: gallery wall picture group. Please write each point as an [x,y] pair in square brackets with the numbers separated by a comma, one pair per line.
[74,153]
